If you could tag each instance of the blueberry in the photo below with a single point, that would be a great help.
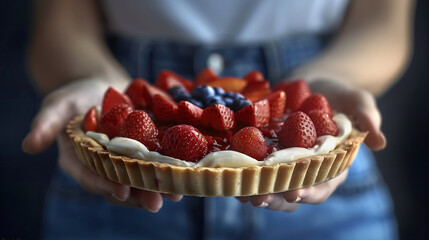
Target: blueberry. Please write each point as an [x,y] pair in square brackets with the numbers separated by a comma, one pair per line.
[233,95]
[229,102]
[239,104]
[196,102]
[175,90]
[182,96]
[212,100]
[201,92]
[219,91]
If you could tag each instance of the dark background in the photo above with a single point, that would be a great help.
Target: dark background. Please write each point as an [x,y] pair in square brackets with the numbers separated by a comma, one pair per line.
[24,179]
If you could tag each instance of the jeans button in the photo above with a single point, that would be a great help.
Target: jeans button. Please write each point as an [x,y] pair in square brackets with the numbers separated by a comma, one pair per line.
[215,62]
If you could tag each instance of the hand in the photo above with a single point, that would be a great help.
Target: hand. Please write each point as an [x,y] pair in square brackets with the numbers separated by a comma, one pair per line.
[360,106]
[57,109]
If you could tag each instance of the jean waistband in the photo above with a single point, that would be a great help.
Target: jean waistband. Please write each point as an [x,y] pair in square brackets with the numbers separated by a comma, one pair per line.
[276,59]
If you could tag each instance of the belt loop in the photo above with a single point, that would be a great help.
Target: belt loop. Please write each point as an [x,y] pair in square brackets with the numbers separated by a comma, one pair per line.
[272,62]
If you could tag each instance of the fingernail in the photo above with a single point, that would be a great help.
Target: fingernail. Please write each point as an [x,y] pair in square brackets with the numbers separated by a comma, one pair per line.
[123,198]
[263,205]
[149,209]
[296,200]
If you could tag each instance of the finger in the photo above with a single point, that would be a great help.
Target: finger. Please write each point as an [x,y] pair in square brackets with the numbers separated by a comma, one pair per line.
[370,120]
[243,199]
[320,193]
[274,202]
[90,181]
[152,201]
[173,197]
[47,125]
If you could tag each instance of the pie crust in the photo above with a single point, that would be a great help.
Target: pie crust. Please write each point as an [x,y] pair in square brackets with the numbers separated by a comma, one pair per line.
[209,181]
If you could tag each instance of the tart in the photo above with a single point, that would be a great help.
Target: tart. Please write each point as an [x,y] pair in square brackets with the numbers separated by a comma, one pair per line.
[177,137]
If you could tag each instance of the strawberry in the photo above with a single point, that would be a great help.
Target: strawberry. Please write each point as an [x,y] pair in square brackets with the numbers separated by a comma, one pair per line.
[229,84]
[277,101]
[254,76]
[139,126]
[251,142]
[255,91]
[323,123]
[111,121]
[189,113]
[89,122]
[135,92]
[218,117]
[298,131]
[150,91]
[296,92]
[184,142]
[113,98]
[168,79]
[316,102]
[204,76]
[164,109]
[256,114]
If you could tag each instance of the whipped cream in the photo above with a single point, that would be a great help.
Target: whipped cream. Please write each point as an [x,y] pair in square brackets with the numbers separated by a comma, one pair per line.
[228,158]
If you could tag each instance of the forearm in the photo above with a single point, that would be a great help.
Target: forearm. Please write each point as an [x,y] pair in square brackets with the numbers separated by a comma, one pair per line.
[372,48]
[67,44]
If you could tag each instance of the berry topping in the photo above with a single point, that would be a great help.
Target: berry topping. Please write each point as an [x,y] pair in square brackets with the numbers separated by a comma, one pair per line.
[229,84]
[239,103]
[111,121]
[251,142]
[298,131]
[139,126]
[316,102]
[168,79]
[296,92]
[135,92]
[150,91]
[189,113]
[323,123]
[218,117]
[113,98]
[184,142]
[254,76]
[179,94]
[202,92]
[212,100]
[89,122]
[164,109]
[256,114]
[204,76]
[277,101]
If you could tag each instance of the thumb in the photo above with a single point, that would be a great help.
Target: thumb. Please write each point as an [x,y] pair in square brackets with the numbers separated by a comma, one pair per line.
[46,126]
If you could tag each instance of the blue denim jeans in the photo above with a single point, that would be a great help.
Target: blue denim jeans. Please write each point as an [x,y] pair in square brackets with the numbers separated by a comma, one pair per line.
[359,209]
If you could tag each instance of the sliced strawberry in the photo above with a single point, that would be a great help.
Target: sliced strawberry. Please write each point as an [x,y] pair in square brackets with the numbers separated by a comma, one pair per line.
[89,122]
[256,114]
[257,95]
[111,121]
[189,113]
[298,131]
[164,109]
[277,101]
[135,92]
[251,142]
[255,91]
[323,123]
[296,92]
[218,117]
[139,126]
[168,79]
[316,102]
[204,76]
[113,98]
[150,91]
[184,142]
[229,84]
[254,76]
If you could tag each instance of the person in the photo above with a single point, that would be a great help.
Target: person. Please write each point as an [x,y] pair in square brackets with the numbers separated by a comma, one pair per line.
[350,51]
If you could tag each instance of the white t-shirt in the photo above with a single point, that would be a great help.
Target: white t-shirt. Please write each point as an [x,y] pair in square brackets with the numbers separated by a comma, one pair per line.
[222,21]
